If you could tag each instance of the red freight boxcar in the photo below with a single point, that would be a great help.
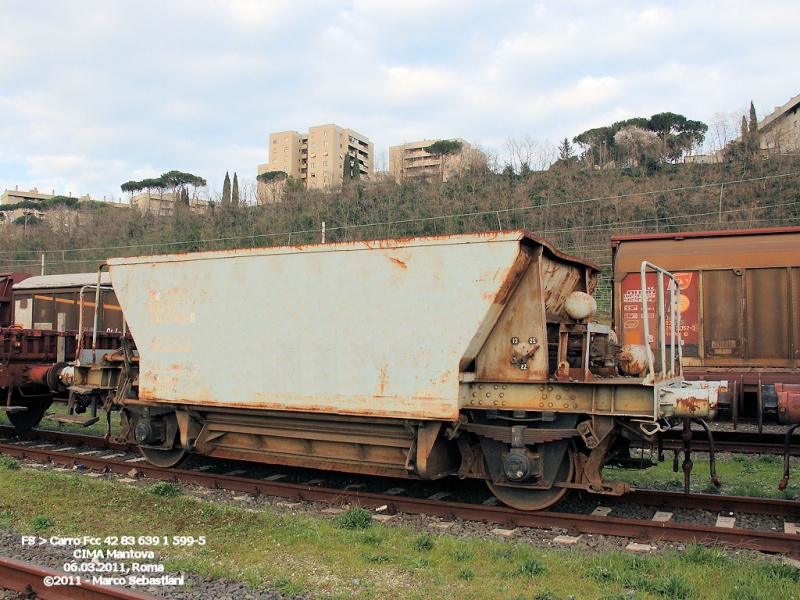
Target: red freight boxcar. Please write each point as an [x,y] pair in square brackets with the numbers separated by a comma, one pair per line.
[739,313]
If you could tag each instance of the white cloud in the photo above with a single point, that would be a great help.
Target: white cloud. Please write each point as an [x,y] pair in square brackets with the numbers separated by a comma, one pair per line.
[111,90]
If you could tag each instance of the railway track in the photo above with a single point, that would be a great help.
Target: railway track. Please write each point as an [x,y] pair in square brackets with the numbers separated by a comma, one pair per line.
[575,524]
[34,581]
[737,442]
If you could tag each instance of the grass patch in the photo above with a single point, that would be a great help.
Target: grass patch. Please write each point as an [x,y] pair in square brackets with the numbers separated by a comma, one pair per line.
[460,555]
[371,537]
[164,489]
[424,543]
[41,523]
[700,555]
[299,555]
[530,567]
[466,573]
[354,518]
[7,462]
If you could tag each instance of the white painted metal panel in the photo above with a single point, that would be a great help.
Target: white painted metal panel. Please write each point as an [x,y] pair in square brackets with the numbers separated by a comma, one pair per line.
[363,328]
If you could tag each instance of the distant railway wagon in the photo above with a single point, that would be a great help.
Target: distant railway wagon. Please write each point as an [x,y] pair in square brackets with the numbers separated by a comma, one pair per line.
[40,301]
[739,311]
[40,341]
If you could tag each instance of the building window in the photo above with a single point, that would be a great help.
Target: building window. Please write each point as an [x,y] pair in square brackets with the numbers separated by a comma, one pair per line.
[324,154]
[274,150]
[325,174]
[275,141]
[314,145]
[285,149]
[326,142]
[313,165]
[313,135]
[285,159]
[326,133]
[324,163]
[286,139]
[274,161]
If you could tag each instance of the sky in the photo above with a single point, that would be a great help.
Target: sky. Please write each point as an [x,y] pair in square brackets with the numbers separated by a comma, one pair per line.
[96,93]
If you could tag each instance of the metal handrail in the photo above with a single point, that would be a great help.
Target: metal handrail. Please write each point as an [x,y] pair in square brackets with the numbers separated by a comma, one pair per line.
[98,293]
[676,351]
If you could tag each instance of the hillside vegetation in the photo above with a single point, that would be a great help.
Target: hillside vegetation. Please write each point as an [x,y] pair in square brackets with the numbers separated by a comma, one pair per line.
[578,209]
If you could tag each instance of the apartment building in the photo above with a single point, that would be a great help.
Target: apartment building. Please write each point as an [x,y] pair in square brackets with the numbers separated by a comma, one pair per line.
[779,132]
[411,160]
[164,204]
[317,158]
[15,195]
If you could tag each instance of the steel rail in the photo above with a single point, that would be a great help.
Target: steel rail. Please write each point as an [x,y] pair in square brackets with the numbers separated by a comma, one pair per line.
[789,509]
[766,541]
[30,579]
[733,441]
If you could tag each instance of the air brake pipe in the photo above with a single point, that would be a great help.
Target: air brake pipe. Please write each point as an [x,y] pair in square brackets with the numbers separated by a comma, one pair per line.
[786,447]
[714,479]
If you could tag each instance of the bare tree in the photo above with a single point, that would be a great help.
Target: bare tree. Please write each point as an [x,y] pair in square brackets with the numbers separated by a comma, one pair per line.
[248,189]
[724,129]
[526,153]
[381,161]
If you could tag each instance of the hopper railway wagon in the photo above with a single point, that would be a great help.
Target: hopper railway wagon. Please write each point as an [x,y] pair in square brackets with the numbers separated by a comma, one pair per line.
[40,318]
[739,312]
[470,355]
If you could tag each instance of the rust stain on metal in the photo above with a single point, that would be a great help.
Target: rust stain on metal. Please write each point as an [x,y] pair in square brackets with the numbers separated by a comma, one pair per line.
[788,403]
[384,380]
[633,359]
[398,262]
[513,276]
[689,405]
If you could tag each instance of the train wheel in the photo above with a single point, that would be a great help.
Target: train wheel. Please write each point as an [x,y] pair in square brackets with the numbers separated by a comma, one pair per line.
[164,458]
[528,499]
[28,419]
